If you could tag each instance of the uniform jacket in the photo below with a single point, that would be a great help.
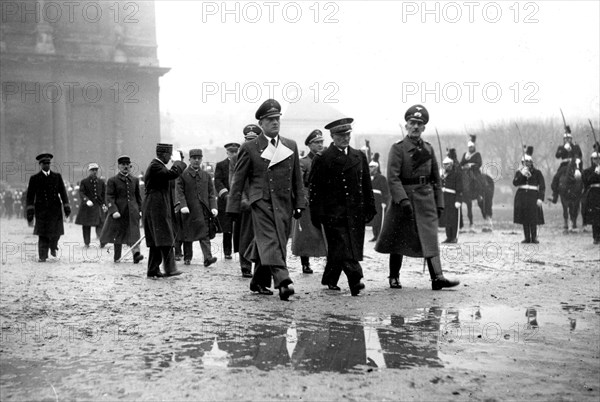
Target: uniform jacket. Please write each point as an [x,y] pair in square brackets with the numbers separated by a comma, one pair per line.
[451,181]
[47,194]
[575,152]
[526,210]
[122,196]
[278,182]
[591,197]
[416,237]
[307,240]
[475,159]
[222,186]
[341,196]
[92,189]
[195,190]
[158,206]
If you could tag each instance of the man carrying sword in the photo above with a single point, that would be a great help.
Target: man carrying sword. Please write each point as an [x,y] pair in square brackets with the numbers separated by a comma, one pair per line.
[565,152]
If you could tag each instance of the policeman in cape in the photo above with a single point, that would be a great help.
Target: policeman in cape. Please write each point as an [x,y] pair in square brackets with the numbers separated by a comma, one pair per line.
[452,187]
[411,221]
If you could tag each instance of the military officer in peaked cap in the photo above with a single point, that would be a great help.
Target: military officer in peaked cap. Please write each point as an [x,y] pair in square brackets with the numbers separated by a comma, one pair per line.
[222,186]
[124,202]
[307,240]
[342,201]
[268,168]
[93,208]
[46,200]
[243,232]
[158,210]
[411,221]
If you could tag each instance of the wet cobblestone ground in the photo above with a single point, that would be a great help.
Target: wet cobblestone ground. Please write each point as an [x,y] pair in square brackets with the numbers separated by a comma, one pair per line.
[524,324]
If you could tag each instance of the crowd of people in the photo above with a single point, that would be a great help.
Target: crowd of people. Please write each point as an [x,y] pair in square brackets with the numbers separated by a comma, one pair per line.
[263,194]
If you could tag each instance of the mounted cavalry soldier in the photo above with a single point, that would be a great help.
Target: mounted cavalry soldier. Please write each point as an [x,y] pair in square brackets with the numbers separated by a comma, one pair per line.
[411,221]
[471,163]
[122,225]
[93,206]
[307,240]
[341,199]
[269,169]
[591,200]
[452,187]
[566,152]
[529,197]
[46,200]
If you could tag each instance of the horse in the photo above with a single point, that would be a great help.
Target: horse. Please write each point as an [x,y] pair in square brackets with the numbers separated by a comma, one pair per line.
[570,190]
[483,192]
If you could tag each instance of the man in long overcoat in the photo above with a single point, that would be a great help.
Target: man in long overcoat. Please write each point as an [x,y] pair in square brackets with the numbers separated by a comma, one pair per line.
[158,210]
[122,225]
[411,221]
[529,197]
[93,207]
[271,166]
[307,240]
[222,186]
[341,199]
[243,230]
[46,200]
[195,193]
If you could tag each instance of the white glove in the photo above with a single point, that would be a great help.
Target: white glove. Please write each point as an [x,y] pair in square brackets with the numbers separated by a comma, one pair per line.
[176,156]
[525,171]
[568,146]
[457,205]
[539,203]
[214,212]
[116,215]
[577,174]
[185,210]
[597,170]
[104,208]
[89,203]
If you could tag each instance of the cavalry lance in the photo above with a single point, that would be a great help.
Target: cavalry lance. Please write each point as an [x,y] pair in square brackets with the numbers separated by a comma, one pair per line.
[594,133]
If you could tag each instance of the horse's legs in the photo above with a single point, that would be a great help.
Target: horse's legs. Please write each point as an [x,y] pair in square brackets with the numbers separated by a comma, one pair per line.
[565,213]
[470,214]
[574,213]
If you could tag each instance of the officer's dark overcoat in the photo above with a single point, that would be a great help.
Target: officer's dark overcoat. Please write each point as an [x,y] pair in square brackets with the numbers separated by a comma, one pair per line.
[412,237]
[222,188]
[47,194]
[158,206]
[526,211]
[341,191]
[122,196]
[195,190]
[92,189]
[591,197]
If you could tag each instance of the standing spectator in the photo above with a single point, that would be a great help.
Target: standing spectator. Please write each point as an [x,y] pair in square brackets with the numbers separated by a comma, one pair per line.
[341,199]
[196,197]
[222,186]
[93,207]
[269,168]
[158,209]
[46,200]
[529,197]
[122,225]
[8,203]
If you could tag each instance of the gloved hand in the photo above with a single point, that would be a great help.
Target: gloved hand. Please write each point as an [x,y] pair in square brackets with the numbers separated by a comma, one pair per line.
[140,214]
[67,210]
[116,215]
[177,156]
[297,213]
[577,174]
[597,170]
[215,212]
[30,214]
[440,211]
[89,203]
[407,209]
[185,210]
[568,146]
[457,205]
[104,208]
[525,171]
[539,203]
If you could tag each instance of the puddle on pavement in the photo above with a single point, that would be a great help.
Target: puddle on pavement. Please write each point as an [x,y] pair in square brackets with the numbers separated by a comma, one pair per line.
[348,344]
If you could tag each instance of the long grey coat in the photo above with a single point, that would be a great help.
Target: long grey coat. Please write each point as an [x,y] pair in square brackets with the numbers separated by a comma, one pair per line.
[195,190]
[158,207]
[273,193]
[412,237]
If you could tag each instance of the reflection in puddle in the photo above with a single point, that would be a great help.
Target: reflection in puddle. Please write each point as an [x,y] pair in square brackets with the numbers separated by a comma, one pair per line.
[344,344]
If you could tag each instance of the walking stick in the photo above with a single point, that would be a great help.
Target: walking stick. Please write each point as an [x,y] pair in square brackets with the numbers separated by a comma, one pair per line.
[131,248]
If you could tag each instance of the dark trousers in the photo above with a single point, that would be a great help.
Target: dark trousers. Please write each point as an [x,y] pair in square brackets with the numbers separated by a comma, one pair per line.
[596,231]
[87,232]
[188,249]
[305,261]
[245,264]
[530,232]
[333,271]
[177,247]
[338,239]
[46,243]
[434,264]
[227,243]
[263,274]
[451,223]
[158,255]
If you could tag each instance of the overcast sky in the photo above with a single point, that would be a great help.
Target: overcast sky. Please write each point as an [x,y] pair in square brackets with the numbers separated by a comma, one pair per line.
[479,62]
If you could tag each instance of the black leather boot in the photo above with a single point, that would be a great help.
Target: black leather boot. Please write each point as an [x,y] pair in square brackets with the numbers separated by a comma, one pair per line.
[438,281]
